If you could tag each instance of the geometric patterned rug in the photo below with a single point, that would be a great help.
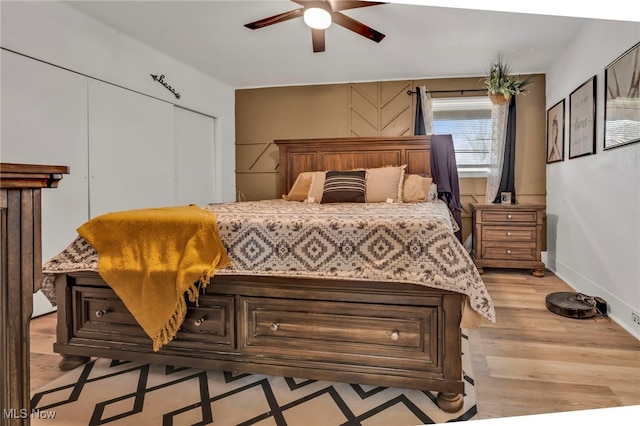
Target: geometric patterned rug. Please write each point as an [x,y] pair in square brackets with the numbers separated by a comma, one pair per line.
[111,392]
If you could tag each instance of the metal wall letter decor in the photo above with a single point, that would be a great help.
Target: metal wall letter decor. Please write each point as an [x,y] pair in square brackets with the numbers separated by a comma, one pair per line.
[164,83]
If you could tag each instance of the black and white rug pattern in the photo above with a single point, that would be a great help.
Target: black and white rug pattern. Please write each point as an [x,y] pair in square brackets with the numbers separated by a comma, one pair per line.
[111,392]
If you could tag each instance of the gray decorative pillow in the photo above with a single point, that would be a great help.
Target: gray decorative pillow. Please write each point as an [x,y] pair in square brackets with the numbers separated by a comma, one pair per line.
[344,187]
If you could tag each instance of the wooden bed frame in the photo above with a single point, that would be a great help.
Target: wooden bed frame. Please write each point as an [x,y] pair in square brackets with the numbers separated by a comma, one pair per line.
[375,333]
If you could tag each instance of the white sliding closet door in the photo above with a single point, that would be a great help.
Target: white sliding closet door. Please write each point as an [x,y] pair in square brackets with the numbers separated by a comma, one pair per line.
[195,157]
[131,150]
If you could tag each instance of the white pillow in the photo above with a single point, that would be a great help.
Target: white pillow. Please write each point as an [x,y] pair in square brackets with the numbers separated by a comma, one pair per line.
[317,186]
[433,191]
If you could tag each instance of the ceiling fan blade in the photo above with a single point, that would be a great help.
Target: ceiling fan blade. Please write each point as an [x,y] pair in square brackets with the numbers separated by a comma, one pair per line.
[275,19]
[357,27]
[338,5]
[317,38]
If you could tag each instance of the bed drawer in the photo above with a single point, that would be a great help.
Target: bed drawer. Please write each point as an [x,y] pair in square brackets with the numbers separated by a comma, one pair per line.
[102,315]
[509,233]
[357,333]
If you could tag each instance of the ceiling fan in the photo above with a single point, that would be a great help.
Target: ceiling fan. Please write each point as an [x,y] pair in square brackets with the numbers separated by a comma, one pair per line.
[319,15]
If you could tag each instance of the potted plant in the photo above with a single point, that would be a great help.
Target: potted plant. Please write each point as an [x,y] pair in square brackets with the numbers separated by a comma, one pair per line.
[501,85]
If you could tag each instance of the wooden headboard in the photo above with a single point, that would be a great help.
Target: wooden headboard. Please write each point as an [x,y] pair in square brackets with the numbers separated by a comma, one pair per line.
[310,155]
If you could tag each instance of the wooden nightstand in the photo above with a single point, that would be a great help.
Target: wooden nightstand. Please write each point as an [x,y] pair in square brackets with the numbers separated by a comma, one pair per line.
[507,236]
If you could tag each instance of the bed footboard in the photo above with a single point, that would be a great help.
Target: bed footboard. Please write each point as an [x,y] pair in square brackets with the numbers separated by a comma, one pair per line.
[385,334]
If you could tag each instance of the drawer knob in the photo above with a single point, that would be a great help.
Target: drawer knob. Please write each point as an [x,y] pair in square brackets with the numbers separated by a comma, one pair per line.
[274,326]
[508,251]
[509,234]
[509,216]
[198,322]
[101,313]
[395,335]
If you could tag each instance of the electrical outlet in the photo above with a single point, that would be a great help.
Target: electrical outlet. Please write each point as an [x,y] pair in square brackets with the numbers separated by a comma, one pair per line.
[636,317]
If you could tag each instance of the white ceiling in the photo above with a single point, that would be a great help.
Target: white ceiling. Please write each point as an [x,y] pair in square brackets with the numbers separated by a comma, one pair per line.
[421,41]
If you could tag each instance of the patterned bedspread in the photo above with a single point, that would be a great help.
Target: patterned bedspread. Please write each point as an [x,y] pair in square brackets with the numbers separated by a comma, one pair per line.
[412,243]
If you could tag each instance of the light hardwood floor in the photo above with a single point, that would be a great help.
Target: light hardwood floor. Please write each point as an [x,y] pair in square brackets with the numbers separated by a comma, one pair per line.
[530,361]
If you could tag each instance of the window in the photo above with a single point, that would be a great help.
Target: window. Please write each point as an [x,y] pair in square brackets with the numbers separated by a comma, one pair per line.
[468,120]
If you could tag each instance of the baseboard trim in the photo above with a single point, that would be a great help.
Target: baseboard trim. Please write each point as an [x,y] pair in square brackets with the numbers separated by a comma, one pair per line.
[619,311]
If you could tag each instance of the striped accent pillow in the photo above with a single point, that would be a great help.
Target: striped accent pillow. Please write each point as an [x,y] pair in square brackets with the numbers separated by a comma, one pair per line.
[344,187]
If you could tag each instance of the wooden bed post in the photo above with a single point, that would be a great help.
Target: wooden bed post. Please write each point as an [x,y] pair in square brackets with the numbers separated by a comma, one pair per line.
[21,271]
[452,402]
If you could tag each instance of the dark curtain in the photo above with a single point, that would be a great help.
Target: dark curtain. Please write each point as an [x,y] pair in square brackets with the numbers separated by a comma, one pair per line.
[507,181]
[444,171]
[419,128]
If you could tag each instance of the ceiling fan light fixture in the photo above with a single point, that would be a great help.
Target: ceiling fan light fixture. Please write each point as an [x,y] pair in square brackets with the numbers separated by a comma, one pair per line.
[317,18]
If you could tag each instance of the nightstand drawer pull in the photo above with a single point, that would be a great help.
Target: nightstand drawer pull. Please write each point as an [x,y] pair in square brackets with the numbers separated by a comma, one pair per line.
[508,234]
[101,313]
[198,322]
[274,326]
[395,335]
[508,251]
[509,216]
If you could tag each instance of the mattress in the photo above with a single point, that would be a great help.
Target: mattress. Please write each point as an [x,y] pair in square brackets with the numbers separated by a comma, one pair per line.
[413,243]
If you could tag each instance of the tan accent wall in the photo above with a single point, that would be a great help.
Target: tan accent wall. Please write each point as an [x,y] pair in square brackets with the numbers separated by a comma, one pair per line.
[372,109]
[380,109]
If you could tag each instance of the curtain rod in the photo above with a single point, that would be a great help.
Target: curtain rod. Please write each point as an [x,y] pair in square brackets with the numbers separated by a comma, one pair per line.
[409,92]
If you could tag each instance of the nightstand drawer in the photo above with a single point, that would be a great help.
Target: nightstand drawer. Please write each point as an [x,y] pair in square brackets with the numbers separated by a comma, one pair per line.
[520,252]
[509,233]
[500,216]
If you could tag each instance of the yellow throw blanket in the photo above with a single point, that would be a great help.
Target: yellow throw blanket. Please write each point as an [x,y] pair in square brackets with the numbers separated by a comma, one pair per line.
[152,257]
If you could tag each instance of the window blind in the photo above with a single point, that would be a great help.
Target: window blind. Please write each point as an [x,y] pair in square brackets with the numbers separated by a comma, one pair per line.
[468,120]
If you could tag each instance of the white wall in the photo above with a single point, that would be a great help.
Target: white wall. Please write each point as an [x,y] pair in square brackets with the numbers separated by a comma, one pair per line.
[593,202]
[58,34]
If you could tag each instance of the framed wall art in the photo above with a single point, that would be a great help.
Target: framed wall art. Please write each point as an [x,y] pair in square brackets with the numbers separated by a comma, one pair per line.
[582,119]
[555,133]
[622,100]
